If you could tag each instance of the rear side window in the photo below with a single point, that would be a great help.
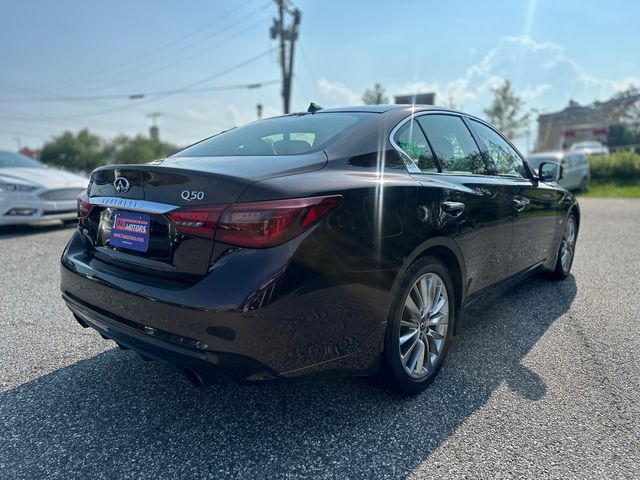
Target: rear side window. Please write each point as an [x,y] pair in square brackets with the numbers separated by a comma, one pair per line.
[290,135]
[412,141]
[504,159]
[453,144]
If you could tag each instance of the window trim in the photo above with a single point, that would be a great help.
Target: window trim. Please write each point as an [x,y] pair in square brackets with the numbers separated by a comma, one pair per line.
[412,167]
[529,170]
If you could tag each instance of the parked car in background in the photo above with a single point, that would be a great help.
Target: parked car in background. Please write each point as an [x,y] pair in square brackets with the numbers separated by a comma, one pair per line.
[576,173]
[591,147]
[31,193]
[345,240]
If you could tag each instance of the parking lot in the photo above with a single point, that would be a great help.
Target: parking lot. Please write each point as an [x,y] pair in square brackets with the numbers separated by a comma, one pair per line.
[544,382]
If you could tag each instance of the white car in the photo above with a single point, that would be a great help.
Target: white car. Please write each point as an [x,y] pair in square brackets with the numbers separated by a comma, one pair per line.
[31,193]
[576,173]
[591,147]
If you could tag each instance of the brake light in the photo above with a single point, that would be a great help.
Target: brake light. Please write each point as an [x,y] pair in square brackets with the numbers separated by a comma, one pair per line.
[84,206]
[198,221]
[271,223]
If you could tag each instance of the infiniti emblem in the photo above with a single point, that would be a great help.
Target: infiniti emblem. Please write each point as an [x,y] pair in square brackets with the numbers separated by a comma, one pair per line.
[121,184]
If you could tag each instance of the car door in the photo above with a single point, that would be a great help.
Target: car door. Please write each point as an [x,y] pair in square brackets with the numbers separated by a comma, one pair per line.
[536,210]
[568,172]
[469,205]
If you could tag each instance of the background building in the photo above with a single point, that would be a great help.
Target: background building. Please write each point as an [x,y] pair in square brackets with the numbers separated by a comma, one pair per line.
[418,99]
[559,130]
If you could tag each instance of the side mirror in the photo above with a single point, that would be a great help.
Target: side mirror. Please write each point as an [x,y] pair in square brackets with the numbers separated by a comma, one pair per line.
[549,171]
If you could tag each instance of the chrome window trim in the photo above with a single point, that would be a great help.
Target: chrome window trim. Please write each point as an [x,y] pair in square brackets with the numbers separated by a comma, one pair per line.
[132,204]
[411,165]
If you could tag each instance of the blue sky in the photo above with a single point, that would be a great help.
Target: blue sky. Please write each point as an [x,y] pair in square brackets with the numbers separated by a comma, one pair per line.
[552,50]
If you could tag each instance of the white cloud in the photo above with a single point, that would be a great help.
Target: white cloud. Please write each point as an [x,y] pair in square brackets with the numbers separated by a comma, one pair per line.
[530,94]
[541,71]
[338,91]
[542,74]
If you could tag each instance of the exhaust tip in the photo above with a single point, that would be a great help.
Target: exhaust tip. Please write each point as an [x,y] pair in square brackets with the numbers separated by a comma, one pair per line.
[194,377]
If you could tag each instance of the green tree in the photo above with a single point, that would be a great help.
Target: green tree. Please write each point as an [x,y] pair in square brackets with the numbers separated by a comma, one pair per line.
[375,95]
[86,151]
[82,151]
[139,149]
[505,109]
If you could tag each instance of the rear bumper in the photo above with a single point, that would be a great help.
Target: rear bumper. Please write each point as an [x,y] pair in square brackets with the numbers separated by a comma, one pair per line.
[209,365]
[323,324]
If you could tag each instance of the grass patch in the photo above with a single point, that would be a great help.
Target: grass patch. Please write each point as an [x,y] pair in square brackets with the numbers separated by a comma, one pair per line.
[612,190]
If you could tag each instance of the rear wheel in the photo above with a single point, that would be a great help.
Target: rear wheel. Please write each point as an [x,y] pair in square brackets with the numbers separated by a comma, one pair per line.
[567,248]
[420,326]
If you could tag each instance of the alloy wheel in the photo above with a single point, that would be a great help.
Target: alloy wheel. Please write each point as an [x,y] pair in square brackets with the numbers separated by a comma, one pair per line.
[423,326]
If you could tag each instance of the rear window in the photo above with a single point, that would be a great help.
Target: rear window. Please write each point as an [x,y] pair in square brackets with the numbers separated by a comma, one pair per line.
[290,135]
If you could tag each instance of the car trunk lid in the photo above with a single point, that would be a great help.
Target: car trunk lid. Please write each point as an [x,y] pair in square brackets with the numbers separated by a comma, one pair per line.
[136,220]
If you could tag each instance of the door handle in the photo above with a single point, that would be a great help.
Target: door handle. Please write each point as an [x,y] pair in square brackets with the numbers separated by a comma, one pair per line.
[454,209]
[519,203]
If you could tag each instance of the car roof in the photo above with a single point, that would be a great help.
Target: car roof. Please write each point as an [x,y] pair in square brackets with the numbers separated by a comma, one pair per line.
[384,108]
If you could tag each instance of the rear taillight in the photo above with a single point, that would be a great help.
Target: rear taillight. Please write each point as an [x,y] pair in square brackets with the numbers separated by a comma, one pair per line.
[84,206]
[267,224]
[198,221]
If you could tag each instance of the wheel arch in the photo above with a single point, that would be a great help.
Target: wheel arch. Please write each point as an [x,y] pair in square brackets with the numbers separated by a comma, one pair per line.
[448,252]
[575,209]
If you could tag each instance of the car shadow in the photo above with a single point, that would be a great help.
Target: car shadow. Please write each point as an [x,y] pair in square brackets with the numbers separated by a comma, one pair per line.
[116,415]
[12,231]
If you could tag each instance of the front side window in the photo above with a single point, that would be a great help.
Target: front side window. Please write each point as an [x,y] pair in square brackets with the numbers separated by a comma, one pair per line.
[288,135]
[504,159]
[412,141]
[453,144]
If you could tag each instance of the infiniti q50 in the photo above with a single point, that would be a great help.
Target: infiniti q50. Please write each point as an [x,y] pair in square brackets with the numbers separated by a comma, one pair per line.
[337,240]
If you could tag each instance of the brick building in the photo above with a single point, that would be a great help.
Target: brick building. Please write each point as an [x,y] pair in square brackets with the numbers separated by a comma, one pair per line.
[559,130]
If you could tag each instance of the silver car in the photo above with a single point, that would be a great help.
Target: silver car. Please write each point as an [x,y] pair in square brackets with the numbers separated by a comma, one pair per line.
[592,147]
[576,174]
[31,193]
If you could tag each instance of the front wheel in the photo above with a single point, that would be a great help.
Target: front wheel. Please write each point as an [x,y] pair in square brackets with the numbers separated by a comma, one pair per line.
[567,248]
[420,326]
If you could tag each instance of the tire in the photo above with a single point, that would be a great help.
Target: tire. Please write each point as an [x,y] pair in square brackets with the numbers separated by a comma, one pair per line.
[432,320]
[567,246]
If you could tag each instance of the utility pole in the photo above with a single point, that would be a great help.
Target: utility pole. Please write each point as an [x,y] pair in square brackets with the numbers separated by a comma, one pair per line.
[154,132]
[287,37]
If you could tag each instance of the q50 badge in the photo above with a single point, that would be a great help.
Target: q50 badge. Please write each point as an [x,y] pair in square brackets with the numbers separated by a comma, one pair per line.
[190,195]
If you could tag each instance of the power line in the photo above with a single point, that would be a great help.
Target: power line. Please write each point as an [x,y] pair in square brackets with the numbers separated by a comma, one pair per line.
[117,79]
[169,92]
[136,96]
[136,60]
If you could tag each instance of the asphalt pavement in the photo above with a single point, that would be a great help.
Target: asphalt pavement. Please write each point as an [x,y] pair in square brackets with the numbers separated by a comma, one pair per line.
[542,383]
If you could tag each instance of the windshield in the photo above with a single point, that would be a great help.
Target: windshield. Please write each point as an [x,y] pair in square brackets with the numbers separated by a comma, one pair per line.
[290,135]
[10,159]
